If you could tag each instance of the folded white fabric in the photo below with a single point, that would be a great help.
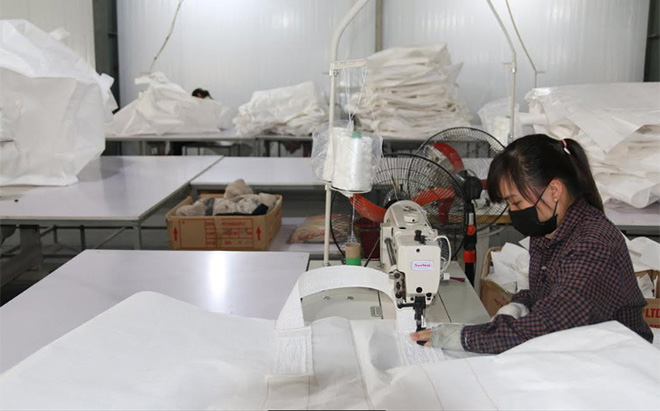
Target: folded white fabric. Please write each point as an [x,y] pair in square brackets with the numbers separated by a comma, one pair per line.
[618,124]
[294,110]
[410,92]
[510,268]
[511,265]
[644,253]
[166,108]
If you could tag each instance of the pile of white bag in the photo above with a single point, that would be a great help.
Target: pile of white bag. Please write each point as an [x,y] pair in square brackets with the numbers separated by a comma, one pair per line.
[410,92]
[166,108]
[294,110]
[618,124]
[52,108]
[510,268]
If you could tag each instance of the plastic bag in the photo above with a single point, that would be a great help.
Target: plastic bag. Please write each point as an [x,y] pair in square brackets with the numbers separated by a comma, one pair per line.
[322,154]
[52,108]
[495,119]
[166,108]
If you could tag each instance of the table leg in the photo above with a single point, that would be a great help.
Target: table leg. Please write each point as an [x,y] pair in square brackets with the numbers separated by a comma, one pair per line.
[83,240]
[29,256]
[137,236]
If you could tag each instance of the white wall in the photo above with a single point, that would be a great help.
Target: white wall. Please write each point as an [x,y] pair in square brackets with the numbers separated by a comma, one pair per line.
[574,41]
[234,47]
[76,16]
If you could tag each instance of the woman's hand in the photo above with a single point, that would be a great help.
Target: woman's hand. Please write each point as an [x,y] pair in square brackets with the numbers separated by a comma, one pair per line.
[447,336]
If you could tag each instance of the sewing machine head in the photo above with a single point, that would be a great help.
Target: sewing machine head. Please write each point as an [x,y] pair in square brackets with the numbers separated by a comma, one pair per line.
[411,254]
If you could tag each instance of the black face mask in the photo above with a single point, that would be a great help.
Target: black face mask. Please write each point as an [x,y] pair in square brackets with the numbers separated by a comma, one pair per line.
[527,220]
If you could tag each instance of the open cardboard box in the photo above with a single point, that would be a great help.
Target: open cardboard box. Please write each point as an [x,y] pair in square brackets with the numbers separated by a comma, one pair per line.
[652,309]
[231,232]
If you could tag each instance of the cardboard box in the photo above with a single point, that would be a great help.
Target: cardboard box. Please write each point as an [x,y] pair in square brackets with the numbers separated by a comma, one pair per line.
[493,296]
[235,233]
[652,310]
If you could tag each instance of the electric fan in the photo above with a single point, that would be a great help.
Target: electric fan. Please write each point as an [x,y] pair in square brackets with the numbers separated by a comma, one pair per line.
[468,152]
[400,177]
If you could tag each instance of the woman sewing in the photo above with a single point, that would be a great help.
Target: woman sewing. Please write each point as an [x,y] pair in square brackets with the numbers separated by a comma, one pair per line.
[580,271]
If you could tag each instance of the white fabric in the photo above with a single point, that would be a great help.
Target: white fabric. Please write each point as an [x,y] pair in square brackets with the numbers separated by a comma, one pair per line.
[515,310]
[166,108]
[644,253]
[153,352]
[410,92]
[618,124]
[511,265]
[510,268]
[295,110]
[52,108]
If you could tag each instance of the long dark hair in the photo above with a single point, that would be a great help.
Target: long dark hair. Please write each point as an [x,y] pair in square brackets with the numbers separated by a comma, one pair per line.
[531,162]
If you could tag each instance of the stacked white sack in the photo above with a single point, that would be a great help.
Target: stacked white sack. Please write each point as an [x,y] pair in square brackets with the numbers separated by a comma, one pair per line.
[166,108]
[294,110]
[618,124]
[510,268]
[410,92]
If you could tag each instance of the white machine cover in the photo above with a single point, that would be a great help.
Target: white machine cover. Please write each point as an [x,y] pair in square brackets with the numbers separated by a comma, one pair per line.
[618,124]
[52,108]
[166,108]
[154,352]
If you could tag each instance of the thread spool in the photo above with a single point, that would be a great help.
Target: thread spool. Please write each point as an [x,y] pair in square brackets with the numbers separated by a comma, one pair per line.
[328,165]
[353,254]
[352,171]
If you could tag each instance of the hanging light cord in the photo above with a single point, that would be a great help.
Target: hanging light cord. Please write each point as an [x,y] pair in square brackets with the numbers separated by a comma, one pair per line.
[169,34]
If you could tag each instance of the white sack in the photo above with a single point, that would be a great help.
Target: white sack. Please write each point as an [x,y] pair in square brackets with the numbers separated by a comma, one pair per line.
[153,352]
[52,108]
[295,110]
[410,92]
[510,268]
[618,124]
[166,108]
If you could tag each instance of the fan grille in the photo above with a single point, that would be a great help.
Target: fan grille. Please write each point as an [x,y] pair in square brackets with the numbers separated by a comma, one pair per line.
[471,149]
[401,177]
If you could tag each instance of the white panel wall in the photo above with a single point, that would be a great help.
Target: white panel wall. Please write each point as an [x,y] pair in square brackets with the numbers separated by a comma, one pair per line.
[574,41]
[234,47]
[76,16]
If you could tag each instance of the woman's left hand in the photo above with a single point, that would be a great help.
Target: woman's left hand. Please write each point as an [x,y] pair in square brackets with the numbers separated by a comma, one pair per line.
[447,336]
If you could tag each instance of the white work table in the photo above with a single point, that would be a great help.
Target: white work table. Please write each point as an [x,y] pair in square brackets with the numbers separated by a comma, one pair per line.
[627,218]
[111,191]
[260,173]
[250,284]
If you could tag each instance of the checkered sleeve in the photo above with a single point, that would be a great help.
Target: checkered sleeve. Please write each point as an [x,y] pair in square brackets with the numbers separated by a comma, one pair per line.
[568,304]
[523,297]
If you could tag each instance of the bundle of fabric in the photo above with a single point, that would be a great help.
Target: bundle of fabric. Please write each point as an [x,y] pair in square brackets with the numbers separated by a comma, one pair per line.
[510,268]
[410,92]
[154,352]
[294,110]
[618,124]
[238,199]
[166,108]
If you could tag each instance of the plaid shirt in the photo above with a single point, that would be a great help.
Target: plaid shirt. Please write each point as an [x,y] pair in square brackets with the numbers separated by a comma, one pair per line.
[581,276]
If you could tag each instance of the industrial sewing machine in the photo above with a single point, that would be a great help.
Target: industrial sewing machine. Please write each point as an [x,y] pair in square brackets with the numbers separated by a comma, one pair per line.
[412,255]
